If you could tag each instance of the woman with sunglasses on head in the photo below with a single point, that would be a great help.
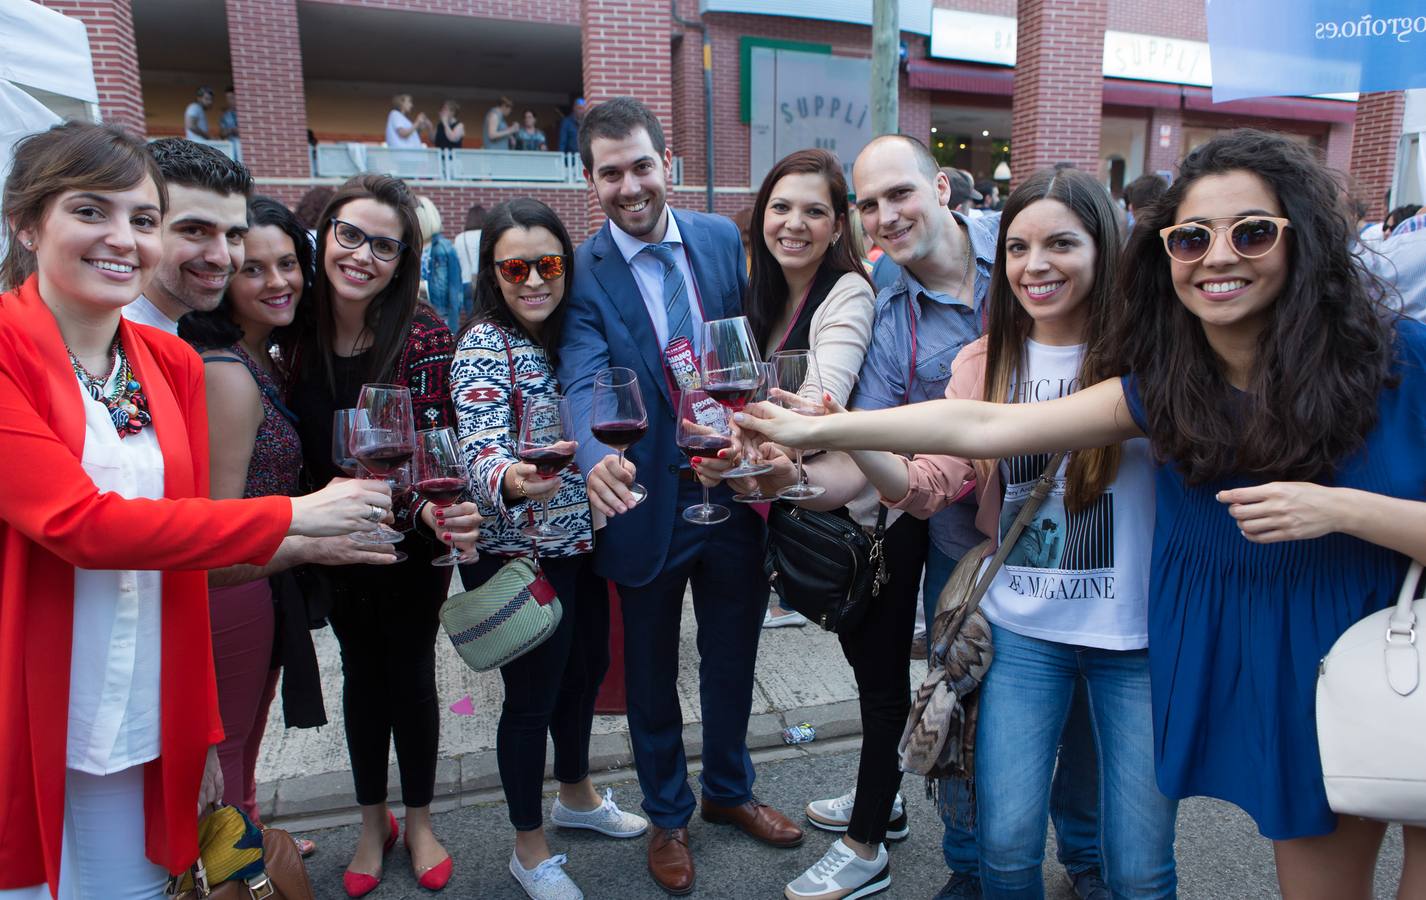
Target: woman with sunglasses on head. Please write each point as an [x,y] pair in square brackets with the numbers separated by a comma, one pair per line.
[363,325]
[107,697]
[521,280]
[1279,400]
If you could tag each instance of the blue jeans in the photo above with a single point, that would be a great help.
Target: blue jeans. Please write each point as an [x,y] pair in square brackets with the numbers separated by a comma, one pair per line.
[1074,794]
[1025,700]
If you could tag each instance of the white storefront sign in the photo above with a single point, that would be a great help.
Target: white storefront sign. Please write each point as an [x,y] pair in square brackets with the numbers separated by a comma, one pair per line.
[802,100]
[912,15]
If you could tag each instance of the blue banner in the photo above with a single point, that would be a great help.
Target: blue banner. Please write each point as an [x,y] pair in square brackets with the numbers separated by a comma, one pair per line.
[1264,48]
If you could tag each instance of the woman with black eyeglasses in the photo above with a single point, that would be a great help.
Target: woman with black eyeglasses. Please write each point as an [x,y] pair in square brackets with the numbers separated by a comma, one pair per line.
[522,278]
[363,325]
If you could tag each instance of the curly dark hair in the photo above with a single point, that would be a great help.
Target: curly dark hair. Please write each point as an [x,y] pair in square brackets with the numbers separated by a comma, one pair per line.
[490,306]
[190,164]
[215,328]
[1324,354]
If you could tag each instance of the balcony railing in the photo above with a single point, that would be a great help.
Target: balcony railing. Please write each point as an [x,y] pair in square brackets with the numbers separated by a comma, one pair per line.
[431,164]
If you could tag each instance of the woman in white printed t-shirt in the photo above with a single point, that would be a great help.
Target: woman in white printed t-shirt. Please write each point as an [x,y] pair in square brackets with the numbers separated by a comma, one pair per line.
[1071,601]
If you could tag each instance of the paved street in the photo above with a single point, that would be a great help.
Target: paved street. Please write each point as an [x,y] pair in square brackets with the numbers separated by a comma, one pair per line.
[1219,852]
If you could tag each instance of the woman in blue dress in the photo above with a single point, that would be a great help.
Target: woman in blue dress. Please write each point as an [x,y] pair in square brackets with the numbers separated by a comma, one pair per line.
[1286,410]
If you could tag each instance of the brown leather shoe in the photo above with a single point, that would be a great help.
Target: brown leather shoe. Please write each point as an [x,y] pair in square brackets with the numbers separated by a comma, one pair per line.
[670,860]
[757,819]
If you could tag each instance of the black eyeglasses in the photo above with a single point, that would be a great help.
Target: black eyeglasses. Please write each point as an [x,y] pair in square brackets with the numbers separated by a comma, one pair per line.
[517,271]
[1249,236]
[352,237]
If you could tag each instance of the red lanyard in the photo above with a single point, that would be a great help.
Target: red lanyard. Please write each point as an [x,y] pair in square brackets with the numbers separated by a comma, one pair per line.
[796,314]
[911,317]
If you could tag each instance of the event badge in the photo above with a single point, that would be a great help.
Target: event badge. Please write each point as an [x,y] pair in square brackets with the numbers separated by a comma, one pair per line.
[678,355]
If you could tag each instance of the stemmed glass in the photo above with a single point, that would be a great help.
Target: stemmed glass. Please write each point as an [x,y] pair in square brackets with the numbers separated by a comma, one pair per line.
[383,437]
[798,388]
[341,441]
[441,477]
[618,418]
[704,428]
[399,480]
[750,451]
[547,441]
[732,373]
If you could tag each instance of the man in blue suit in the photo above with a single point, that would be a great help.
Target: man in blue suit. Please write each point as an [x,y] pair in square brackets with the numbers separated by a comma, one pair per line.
[644,285]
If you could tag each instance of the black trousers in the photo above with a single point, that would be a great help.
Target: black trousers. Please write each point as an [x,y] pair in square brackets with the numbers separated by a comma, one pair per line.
[550,689]
[879,651]
[385,620]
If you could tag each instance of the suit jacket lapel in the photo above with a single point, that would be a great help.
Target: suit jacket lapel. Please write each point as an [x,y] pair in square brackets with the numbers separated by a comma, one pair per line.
[705,270]
[617,281]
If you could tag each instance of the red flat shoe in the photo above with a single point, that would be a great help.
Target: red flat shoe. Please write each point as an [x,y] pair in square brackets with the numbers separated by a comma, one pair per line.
[359,884]
[436,877]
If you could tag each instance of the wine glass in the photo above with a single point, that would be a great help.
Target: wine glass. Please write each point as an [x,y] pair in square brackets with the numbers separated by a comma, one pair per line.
[383,437]
[341,441]
[399,480]
[751,456]
[732,373]
[547,441]
[441,477]
[798,388]
[618,418]
[704,428]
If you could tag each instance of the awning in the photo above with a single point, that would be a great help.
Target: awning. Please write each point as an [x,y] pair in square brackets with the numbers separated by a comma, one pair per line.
[999,81]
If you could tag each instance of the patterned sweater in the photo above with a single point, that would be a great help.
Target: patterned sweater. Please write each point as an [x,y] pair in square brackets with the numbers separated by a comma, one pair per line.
[486,422]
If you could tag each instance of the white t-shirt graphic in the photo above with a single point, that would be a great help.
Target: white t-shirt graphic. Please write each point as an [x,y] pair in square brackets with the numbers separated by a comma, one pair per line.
[1075,578]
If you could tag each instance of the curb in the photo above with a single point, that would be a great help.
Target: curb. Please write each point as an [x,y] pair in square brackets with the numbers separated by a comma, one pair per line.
[326,799]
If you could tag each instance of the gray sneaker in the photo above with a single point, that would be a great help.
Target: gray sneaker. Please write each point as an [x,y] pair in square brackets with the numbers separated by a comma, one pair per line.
[835,814]
[842,875]
[607,818]
[547,881]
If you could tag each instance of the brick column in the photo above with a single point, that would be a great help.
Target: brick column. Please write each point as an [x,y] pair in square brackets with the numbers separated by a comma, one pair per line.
[1159,158]
[266,51]
[914,107]
[116,60]
[1374,138]
[1059,85]
[625,45]
[1339,146]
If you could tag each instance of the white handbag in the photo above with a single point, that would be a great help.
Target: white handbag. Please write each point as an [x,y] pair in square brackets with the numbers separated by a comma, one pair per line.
[1371,714]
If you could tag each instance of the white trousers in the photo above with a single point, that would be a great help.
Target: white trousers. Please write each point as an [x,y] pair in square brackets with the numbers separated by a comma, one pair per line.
[103,851]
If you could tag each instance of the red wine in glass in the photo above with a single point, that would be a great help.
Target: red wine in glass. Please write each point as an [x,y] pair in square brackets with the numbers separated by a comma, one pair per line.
[703,444]
[441,491]
[621,435]
[547,460]
[384,459]
[734,393]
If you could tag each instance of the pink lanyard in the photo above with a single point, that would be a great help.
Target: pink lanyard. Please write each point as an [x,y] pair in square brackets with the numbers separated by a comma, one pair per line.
[911,374]
[796,314]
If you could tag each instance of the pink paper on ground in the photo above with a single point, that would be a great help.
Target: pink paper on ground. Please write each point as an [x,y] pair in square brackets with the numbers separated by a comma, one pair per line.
[464,706]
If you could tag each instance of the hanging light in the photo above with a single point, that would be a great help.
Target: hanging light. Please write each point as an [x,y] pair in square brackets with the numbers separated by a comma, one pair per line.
[985,133]
[1002,171]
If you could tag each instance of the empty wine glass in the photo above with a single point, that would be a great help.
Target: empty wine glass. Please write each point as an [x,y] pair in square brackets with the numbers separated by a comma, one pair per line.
[441,477]
[798,387]
[546,441]
[704,428]
[617,416]
[341,441]
[752,458]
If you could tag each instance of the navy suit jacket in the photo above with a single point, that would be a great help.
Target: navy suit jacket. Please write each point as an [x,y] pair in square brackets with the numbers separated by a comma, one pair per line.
[606,324]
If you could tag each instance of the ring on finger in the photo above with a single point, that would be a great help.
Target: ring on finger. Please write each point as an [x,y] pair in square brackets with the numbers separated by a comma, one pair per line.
[375,514]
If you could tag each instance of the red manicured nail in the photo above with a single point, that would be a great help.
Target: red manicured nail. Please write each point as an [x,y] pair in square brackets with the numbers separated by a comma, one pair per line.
[697,460]
[447,536]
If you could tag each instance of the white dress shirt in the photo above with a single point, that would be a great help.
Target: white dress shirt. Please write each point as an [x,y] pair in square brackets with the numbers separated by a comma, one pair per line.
[648,275]
[144,312]
[114,661]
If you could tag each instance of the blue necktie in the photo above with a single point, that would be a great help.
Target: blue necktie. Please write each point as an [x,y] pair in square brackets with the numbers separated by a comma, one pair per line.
[675,293]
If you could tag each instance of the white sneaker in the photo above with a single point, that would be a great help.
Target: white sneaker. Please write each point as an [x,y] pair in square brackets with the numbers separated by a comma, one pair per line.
[842,875]
[790,619]
[607,819]
[547,881]
[835,814]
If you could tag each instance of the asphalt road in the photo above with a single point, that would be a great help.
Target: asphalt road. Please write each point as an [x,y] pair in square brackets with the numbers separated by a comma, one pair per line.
[1220,854]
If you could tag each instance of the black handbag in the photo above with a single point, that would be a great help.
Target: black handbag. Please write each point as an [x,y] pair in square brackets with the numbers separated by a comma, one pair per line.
[823,564]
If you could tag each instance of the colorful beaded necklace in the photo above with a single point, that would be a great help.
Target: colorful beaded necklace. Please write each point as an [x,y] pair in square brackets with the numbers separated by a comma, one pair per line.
[127,406]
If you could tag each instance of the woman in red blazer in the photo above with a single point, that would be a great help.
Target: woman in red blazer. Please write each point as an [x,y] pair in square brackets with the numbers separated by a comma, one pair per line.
[107,700]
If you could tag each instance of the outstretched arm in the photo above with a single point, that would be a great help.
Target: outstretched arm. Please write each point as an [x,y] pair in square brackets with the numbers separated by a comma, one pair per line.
[1094,417]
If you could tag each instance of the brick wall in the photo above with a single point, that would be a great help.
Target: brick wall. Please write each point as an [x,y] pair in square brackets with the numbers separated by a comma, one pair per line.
[266,52]
[1374,139]
[1170,18]
[1058,84]
[1164,159]
[559,12]
[110,24]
